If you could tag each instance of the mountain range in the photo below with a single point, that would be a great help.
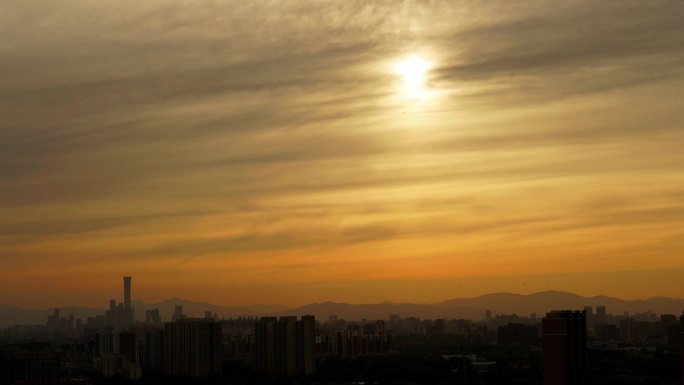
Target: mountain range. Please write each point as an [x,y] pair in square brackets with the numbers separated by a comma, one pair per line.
[469,308]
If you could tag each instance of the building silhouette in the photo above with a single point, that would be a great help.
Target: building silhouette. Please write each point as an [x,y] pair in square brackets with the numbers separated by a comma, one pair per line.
[601,315]
[129,348]
[306,341]
[606,332]
[681,332]
[177,313]
[589,311]
[264,344]
[192,347]
[517,333]
[129,317]
[121,315]
[154,351]
[355,340]
[152,316]
[53,320]
[33,366]
[108,342]
[285,346]
[564,336]
[117,352]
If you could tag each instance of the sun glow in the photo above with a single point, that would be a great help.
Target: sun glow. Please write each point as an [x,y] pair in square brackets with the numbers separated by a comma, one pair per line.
[413,73]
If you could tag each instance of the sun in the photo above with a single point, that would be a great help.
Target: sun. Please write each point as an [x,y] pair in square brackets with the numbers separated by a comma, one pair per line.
[413,73]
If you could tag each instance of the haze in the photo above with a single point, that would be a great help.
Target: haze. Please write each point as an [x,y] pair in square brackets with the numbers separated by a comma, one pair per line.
[253,152]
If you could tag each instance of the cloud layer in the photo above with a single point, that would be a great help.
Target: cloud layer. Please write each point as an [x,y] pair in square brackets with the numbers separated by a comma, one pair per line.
[243,150]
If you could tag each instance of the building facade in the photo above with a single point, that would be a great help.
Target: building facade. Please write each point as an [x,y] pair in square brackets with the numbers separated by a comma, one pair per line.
[564,336]
[192,347]
[285,346]
[681,332]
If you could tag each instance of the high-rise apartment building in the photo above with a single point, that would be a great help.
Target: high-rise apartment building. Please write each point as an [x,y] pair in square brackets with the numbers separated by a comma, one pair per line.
[192,347]
[564,335]
[265,344]
[108,342]
[152,316]
[154,351]
[306,341]
[601,315]
[129,348]
[681,332]
[177,313]
[285,346]
[394,322]
[28,367]
[589,311]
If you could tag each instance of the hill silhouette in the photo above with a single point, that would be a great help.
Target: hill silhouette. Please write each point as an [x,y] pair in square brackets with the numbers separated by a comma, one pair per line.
[469,308]
[499,303]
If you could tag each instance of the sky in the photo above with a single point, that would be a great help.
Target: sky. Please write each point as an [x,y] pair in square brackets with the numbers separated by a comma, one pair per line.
[287,152]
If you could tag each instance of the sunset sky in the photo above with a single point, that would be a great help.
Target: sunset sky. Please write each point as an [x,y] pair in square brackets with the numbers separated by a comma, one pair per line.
[261,152]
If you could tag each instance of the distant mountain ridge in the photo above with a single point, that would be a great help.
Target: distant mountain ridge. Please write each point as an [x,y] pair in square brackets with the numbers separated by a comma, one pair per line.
[498,303]
[469,308]
[545,301]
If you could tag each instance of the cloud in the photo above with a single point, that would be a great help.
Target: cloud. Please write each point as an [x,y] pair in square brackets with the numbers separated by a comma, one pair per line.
[574,49]
[183,134]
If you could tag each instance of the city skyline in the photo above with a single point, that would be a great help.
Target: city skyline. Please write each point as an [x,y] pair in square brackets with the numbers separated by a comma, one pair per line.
[123,312]
[564,347]
[350,151]
[95,299]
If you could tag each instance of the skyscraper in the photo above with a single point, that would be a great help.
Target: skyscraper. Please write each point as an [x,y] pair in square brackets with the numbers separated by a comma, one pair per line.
[127,292]
[264,341]
[601,315]
[128,306]
[589,311]
[286,346]
[681,332]
[564,336]
[154,351]
[121,316]
[306,338]
[192,347]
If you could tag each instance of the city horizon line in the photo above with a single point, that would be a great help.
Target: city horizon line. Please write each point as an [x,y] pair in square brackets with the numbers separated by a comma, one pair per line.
[342,302]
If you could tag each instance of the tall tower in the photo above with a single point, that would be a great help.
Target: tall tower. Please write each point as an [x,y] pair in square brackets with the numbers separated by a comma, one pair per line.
[127,306]
[564,336]
[127,292]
